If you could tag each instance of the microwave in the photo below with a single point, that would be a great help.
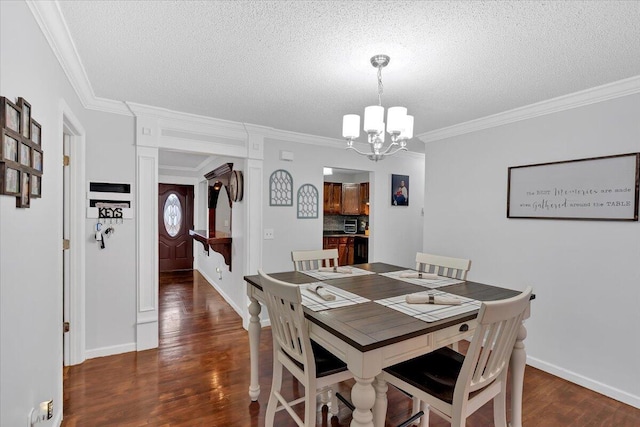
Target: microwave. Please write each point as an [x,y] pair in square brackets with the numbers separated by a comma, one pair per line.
[350,226]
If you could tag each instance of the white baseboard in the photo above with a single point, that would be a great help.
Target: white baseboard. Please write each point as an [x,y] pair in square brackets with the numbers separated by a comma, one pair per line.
[222,293]
[111,350]
[583,381]
[57,421]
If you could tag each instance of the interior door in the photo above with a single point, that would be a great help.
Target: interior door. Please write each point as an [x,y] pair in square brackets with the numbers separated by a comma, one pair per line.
[175,210]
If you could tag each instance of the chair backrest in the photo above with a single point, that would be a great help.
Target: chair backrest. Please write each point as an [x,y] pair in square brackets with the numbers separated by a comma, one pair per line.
[288,325]
[456,268]
[311,260]
[492,343]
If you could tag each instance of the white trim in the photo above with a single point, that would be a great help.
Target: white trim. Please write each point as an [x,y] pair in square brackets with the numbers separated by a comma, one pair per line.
[70,123]
[566,102]
[147,248]
[583,381]
[49,17]
[111,350]
[229,301]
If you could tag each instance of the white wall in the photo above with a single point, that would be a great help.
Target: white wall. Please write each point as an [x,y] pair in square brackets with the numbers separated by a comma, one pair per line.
[111,272]
[395,231]
[585,274]
[30,239]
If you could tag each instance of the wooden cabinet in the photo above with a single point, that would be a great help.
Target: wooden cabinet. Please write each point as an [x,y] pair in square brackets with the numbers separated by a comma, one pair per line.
[350,199]
[346,198]
[332,198]
[364,198]
[345,247]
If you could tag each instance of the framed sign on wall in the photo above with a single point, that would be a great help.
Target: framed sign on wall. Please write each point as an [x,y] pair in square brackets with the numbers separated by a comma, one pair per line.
[598,188]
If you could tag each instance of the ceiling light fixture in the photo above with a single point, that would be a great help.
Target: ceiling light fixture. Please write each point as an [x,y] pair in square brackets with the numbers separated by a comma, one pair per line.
[399,124]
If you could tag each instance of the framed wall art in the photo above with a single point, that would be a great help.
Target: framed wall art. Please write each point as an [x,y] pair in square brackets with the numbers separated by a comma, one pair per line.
[24,199]
[9,147]
[9,180]
[36,159]
[597,188]
[400,190]
[21,154]
[35,132]
[25,155]
[25,120]
[9,115]
[36,186]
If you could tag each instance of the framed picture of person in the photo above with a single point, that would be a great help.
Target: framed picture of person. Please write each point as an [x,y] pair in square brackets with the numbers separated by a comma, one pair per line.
[9,147]
[9,115]
[24,199]
[400,190]
[25,125]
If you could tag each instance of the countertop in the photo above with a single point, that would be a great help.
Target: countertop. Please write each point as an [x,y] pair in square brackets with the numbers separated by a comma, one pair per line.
[339,233]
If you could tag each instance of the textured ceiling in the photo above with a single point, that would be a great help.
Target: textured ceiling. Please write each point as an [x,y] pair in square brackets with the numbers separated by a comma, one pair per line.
[300,66]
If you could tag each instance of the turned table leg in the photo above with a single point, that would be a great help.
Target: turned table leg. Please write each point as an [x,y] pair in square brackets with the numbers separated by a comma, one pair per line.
[254,347]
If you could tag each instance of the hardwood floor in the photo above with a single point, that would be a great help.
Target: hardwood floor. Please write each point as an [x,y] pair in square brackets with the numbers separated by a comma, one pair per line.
[199,376]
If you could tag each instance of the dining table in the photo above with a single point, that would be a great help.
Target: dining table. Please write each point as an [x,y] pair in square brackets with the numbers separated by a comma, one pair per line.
[370,326]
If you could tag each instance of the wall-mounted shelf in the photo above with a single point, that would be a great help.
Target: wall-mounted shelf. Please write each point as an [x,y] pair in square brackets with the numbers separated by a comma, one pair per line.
[221,243]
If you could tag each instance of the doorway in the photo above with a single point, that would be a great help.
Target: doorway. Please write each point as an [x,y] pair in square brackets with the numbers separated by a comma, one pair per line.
[175,219]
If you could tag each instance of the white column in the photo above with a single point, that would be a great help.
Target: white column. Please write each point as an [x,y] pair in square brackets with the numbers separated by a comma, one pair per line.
[147,245]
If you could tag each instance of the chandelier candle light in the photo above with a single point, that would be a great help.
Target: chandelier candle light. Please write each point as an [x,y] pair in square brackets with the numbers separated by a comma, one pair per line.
[399,124]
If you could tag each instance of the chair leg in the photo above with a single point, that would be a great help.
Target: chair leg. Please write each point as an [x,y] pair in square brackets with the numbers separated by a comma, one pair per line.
[310,409]
[276,385]
[424,407]
[415,405]
[325,396]
[333,402]
[500,409]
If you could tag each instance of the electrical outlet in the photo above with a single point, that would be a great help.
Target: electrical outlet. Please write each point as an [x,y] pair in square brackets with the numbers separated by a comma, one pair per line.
[268,234]
[43,412]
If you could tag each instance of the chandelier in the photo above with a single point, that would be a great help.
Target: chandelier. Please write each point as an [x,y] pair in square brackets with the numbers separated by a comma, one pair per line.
[399,124]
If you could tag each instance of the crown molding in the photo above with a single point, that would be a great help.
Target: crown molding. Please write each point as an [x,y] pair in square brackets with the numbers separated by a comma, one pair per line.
[50,20]
[566,102]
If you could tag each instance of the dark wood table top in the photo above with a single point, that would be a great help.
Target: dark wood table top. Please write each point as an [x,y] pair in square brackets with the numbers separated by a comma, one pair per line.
[368,326]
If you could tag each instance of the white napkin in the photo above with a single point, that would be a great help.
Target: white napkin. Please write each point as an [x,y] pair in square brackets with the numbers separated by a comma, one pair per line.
[418,275]
[432,299]
[321,292]
[336,269]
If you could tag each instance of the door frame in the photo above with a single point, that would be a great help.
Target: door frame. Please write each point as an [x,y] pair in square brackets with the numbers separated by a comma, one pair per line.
[74,293]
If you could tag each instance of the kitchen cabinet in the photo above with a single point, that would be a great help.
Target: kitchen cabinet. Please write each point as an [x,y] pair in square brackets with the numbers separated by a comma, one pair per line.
[364,198]
[332,198]
[350,199]
[345,247]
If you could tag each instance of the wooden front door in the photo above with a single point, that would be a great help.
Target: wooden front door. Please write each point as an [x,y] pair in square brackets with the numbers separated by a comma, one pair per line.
[175,219]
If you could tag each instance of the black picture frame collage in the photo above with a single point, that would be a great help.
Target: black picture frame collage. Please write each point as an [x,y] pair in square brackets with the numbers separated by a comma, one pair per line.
[21,154]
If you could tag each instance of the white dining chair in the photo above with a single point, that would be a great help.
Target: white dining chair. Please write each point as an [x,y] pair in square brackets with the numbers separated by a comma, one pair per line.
[455,386]
[312,260]
[311,364]
[456,268]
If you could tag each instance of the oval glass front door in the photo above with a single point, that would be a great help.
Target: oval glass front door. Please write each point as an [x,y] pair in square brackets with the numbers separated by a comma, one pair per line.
[172,215]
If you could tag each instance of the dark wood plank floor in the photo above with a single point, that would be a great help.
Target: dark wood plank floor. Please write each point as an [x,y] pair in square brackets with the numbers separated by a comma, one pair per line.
[199,376]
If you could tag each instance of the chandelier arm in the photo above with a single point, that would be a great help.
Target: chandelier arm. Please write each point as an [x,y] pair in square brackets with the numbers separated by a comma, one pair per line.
[391,145]
[394,152]
[358,151]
